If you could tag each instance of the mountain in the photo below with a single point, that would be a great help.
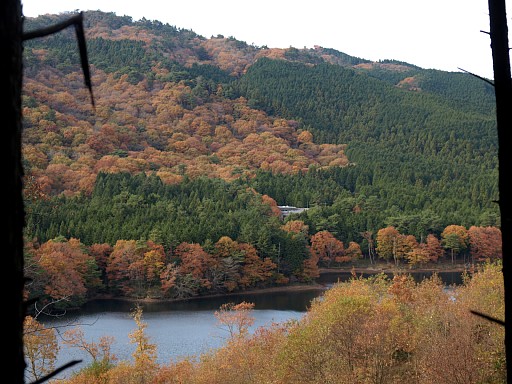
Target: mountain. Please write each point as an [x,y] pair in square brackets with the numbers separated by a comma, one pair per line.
[416,139]
[366,144]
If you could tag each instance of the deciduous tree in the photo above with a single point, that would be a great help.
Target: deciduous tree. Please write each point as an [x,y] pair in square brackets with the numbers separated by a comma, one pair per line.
[194,260]
[455,239]
[485,243]
[100,352]
[236,318]
[255,269]
[40,347]
[145,353]
[296,226]
[387,239]
[434,248]
[69,270]
[326,247]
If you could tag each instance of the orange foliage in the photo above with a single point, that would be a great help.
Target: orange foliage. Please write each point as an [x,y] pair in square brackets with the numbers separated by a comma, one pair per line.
[66,266]
[137,127]
[134,268]
[485,243]
[196,262]
[327,248]
[434,248]
[273,205]
[236,318]
[305,137]
[352,252]
[254,269]
[296,226]
[310,268]
[393,245]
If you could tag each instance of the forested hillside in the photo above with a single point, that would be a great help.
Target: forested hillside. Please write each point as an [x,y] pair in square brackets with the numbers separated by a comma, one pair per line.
[364,145]
[417,149]
[170,187]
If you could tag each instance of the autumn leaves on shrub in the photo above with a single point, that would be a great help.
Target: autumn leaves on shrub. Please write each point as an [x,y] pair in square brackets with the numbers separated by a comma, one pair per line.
[374,330]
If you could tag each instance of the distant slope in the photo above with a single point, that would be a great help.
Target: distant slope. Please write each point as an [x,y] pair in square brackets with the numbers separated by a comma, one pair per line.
[160,107]
[177,104]
[419,146]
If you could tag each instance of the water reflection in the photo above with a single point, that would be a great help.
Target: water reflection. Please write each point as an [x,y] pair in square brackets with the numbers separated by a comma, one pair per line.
[291,301]
[448,278]
[188,328]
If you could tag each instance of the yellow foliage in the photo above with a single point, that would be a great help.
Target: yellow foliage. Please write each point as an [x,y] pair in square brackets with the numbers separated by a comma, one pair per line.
[40,348]
[362,331]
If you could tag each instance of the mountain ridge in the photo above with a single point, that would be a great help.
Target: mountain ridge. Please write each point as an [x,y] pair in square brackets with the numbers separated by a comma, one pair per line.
[176,104]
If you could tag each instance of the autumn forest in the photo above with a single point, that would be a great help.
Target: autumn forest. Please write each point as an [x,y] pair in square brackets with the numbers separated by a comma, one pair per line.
[172,187]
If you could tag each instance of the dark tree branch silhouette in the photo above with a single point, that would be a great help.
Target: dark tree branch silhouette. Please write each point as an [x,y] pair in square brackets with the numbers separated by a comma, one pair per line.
[478,77]
[56,372]
[76,21]
[487,317]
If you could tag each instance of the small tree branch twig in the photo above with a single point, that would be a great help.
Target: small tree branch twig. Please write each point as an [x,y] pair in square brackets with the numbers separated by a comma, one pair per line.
[78,22]
[487,317]
[478,77]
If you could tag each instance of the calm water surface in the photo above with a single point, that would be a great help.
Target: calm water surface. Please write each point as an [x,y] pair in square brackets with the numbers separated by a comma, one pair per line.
[178,329]
[188,328]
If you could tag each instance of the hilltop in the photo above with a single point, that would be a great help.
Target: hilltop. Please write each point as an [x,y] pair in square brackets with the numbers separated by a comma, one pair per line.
[386,142]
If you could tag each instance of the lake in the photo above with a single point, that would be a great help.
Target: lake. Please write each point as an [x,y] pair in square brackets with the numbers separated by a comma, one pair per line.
[179,329]
[186,328]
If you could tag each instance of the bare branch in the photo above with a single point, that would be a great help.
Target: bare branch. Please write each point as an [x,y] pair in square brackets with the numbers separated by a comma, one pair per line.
[56,372]
[487,317]
[43,311]
[478,77]
[78,22]
[63,335]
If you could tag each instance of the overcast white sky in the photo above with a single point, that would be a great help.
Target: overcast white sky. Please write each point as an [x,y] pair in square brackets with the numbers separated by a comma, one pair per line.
[440,34]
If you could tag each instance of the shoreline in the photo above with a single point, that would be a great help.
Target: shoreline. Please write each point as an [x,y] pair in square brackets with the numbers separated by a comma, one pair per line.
[316,286]
[393,269]
[286,288]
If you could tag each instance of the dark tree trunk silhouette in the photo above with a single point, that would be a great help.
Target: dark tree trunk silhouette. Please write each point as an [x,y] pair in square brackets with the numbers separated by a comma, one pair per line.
[503,91]
[10,88]
[11,83]
[13,209]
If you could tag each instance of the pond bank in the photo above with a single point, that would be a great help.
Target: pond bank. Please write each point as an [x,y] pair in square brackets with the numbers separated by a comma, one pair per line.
[389,268]
[316,286]
[285,288]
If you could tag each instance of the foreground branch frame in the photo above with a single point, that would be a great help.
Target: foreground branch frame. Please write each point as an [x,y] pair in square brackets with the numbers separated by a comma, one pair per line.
[503,91]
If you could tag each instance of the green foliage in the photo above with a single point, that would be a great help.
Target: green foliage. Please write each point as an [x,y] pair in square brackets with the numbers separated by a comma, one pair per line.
[96,369]
[294,54]
[432,150]
[120,56]
[200,211]
[422,144]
